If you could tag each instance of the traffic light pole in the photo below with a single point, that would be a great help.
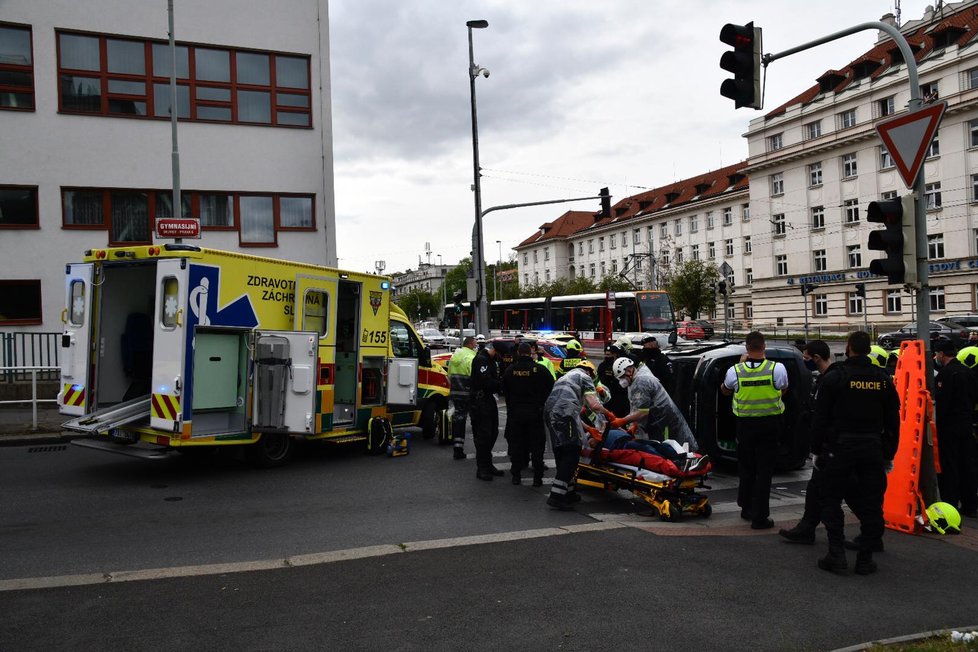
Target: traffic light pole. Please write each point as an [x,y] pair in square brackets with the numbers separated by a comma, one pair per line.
[928,480]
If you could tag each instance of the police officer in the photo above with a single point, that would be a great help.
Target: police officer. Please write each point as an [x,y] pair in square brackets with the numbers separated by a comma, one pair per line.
[573,358]
[542,360]
[757,385]
[526,385]
[618,404]
[459,377]
[856,430]
[485,414]
[651,408]
[954,399]
[657,361]
[562,419]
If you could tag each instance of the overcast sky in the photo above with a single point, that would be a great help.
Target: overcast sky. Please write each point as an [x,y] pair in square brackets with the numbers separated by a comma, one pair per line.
[582,94]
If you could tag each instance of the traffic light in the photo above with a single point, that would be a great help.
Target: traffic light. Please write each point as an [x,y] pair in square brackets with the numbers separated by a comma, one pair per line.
[861,289]
[744,61]
[722,287]
[458,303]
[898,239]
[605,202]
[808,288]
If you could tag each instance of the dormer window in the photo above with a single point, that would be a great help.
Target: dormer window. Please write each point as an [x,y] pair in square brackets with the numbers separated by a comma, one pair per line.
[830,80]
[620,210]
[701,188]
[865,68]
[944,36]
[671,197]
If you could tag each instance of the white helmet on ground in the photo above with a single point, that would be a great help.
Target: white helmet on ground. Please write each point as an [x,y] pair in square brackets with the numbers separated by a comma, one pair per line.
[620,365]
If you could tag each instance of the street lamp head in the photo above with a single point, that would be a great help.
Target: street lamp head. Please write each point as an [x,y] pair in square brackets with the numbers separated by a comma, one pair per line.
[477,24]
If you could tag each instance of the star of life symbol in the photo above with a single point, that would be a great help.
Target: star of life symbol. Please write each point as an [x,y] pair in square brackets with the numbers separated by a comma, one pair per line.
[170,306]
[78,308]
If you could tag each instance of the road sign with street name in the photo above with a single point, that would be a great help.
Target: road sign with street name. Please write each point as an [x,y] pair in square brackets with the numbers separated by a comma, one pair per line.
[908,136]
[178,227]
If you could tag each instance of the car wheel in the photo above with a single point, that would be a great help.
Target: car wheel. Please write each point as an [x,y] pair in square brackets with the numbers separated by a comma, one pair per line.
[886,343]
[270,450]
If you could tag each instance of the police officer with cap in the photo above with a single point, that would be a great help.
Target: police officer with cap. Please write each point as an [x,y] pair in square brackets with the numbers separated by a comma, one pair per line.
[485,414]
[657,362]
[606,376]
[526,385]
[857,429]
[954,399]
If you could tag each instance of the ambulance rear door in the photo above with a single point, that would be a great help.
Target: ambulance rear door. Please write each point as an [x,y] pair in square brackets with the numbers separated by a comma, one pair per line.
[284,381]
[170,343]
[75,394]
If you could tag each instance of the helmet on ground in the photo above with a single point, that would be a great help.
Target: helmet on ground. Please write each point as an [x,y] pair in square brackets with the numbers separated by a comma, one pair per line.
[968,356]
[878,355]
[621,364]
[587,364]
[944,518]
[603,392]
[574,345]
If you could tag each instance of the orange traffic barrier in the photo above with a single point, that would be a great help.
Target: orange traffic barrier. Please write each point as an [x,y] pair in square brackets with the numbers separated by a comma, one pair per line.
[903,501]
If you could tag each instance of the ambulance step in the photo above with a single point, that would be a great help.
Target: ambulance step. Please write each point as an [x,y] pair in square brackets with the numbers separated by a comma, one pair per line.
[346,439]
[111,417]
[131,450]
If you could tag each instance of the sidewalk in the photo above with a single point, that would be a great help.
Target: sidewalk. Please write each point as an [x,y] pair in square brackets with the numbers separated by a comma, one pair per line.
[15,425]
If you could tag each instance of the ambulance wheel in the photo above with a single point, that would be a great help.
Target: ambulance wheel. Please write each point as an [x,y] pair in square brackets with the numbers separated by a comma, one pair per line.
[379,433]
[270,450]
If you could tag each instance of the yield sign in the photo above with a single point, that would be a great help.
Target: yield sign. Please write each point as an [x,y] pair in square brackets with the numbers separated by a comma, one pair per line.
[907,138]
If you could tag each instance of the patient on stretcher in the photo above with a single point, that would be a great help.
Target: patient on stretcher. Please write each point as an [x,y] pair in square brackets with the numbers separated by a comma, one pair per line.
[664,459]
[622,439]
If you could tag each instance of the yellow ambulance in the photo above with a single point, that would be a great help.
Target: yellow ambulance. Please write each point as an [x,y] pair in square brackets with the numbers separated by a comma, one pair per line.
[177,347]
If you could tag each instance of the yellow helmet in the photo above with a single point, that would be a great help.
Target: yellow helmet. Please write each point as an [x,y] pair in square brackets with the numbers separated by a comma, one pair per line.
[968,356]
[878,355]
[574,345]
[587,364]
[944,518]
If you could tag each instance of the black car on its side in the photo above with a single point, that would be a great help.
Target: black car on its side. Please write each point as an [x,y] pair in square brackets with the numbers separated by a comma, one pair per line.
[939,330]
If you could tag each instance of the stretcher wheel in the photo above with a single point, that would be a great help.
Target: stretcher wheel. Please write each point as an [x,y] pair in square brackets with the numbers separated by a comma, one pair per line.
[670,512]
[706,510]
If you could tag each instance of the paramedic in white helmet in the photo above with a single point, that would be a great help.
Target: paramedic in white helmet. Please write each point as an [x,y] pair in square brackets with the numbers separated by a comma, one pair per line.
[656,416]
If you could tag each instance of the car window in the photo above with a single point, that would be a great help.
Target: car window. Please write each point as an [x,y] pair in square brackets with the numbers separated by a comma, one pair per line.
[403,342]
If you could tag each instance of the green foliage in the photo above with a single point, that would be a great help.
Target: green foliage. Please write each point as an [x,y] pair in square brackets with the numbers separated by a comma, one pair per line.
[420,305]
[614,284]
[689,287]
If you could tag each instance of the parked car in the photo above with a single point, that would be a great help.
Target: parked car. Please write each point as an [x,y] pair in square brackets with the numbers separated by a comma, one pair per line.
[690,329]
[968,321]
[433,338]
[939,330]
[708,330]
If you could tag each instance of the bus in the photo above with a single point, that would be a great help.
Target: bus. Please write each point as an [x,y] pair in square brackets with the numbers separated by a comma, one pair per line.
[585,314]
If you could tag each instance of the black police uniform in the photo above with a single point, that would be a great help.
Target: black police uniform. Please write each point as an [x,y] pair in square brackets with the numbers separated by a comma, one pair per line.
[856,431]
[526,385]
[660,366]
[619,395]
[954,396]
[485,414]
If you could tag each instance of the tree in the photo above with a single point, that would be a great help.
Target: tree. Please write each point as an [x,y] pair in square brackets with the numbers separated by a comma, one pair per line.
[689,287]
[457,278]
[614,283]
[420,305]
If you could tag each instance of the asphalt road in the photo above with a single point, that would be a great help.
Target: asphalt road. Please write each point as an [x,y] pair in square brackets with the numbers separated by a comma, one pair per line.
[359,552]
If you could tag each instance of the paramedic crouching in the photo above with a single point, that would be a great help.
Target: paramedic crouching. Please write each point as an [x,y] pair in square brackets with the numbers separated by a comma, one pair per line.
[562,419]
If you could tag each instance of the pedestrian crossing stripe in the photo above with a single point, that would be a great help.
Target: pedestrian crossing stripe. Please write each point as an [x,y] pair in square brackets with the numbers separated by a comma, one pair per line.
[73,395]
[165,406]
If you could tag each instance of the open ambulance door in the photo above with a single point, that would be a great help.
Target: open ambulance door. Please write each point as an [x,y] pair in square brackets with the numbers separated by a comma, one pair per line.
[169,342]
[284,381]
[75,393]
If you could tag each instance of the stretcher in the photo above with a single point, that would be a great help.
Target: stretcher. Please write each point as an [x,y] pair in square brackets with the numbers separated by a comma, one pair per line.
[668,486]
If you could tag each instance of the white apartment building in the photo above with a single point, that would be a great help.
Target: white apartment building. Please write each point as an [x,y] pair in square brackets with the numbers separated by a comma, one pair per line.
[816,162]
[427,278]
[85,160]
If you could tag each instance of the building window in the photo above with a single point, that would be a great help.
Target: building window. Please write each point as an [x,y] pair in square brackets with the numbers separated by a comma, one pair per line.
[731,311]
[711,248]
[818,217]
[856,305]
[747,248]
[590,246]
[748,275]
[854,255]
[710,222]
[974,187]
[937,298]
[728,248]
[546,275]
[663,230]
[973,133]
[679,255]
[820,260]
[546,253]
[526,279]
[847,119]
[603,269]
[637,236]
[748,310]
[849,168]
[777,184]
[821,305]
[775,142]
[885,107]
[851,208]
[18,206]
[16,68]
[614,267]
[536,278]
[935,246]
[777,220]
[813,129]
[894,301]
[20,302]
[929,92]
[591,270]
[889,194]
[972,78]
[649,232]
[781,265]
[745,212]
[694,223]
[526,260]
[536,257]
[678,227]
[638,264]
[815,174]
[580,249]
[601,244]
[886,160]
[612,242]
[694,252]
[104,75]
[727,216]
[932,195]
[934,149]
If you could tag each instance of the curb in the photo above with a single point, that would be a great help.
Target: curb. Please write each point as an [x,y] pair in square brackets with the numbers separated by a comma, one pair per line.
[34,439]
[905,639]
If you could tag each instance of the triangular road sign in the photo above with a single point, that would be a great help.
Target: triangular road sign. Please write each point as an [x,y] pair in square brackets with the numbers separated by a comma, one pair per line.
[908,136]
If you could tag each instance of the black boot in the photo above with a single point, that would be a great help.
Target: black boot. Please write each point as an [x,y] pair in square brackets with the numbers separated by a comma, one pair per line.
[799,534]
[835,561]
[558,501]
[864,563]
[459,453]
[856,544]
[538,478]
[516,477]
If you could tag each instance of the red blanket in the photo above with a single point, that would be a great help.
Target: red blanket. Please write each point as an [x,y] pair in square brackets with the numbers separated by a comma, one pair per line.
[649,461]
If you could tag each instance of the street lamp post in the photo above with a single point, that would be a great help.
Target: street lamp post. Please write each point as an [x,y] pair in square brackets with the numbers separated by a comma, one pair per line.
[495,274]
[478,258]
